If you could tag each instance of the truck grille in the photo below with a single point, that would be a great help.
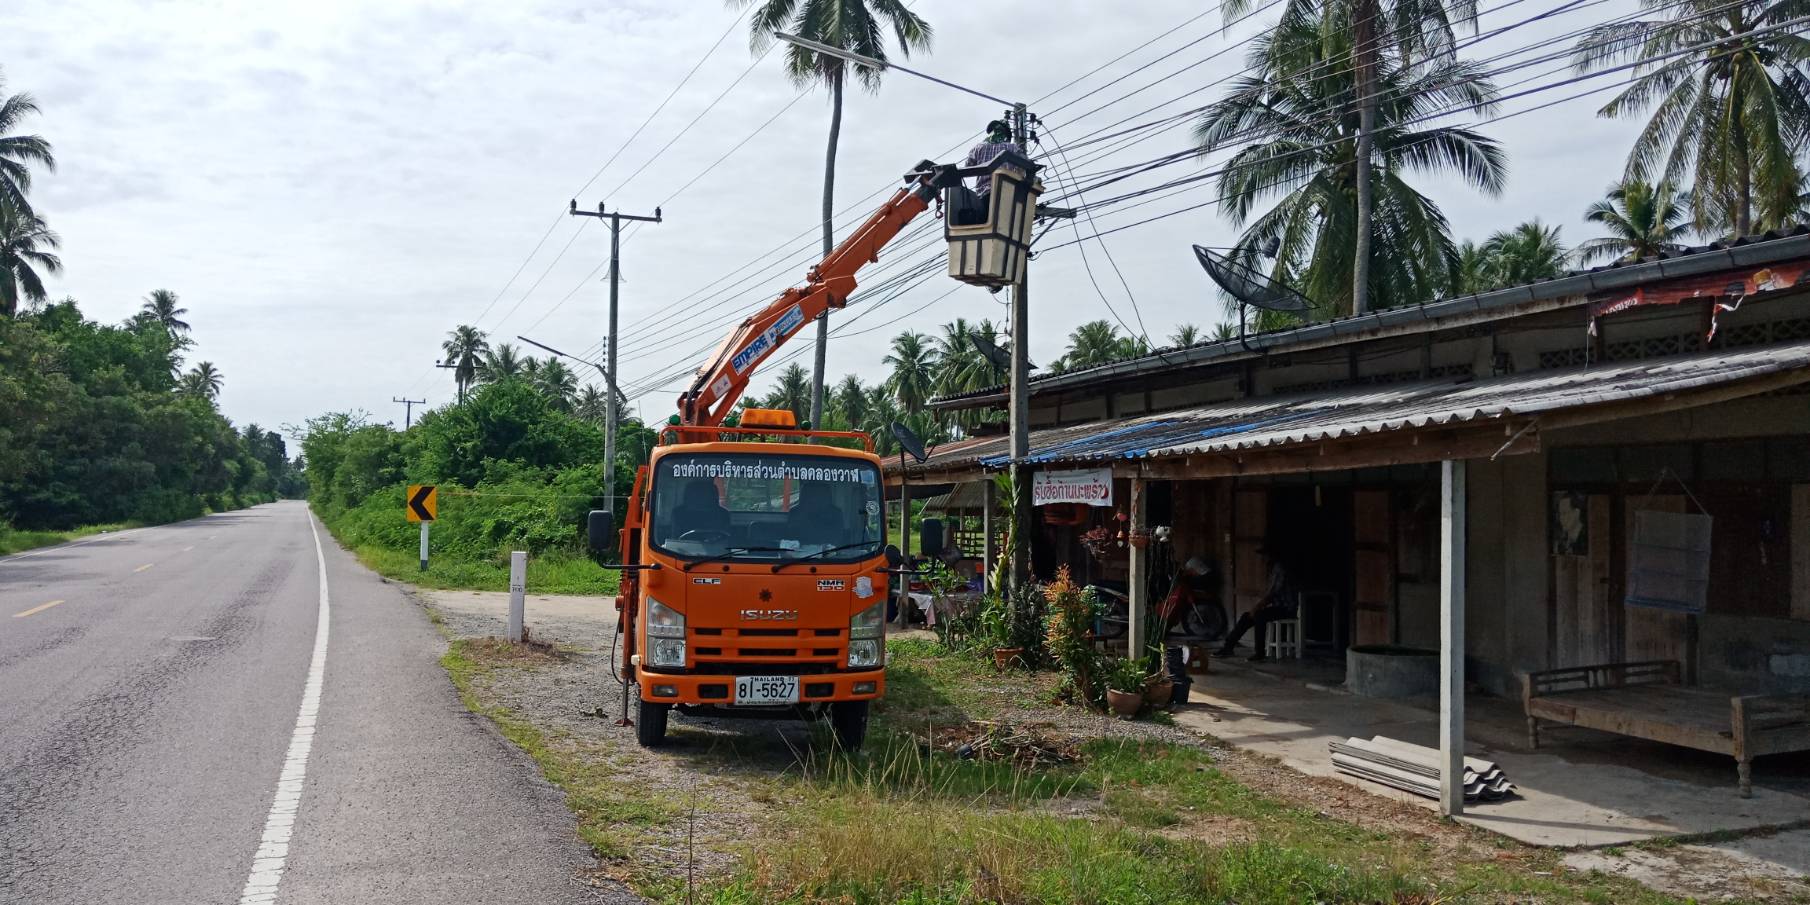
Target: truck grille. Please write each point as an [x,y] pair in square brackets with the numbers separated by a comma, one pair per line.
[780,651]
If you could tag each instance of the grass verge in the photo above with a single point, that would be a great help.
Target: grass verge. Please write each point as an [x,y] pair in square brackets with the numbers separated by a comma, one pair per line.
[552,573]
[932,813]
[16,541]
[612,811]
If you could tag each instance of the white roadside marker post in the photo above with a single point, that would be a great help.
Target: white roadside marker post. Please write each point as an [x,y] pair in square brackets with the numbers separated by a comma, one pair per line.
[518,586]
[424,545]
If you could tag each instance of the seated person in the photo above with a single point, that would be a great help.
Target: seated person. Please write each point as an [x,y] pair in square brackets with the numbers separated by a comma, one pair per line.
[814,520]
[968,207]
[1280,601]
[699,514]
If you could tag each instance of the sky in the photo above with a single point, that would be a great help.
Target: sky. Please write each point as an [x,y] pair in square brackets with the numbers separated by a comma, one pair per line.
[330,187]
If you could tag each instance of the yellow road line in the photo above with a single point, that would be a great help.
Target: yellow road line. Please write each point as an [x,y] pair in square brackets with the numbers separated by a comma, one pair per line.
[144,567]
[36,609]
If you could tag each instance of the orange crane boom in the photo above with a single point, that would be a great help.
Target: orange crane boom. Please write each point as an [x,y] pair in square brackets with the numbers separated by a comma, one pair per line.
[721,381]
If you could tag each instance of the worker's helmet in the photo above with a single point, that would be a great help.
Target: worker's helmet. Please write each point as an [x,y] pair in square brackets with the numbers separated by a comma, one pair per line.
[997,130]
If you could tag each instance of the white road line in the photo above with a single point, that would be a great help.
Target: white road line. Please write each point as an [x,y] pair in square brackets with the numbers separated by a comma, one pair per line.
[105,535]
[273,850]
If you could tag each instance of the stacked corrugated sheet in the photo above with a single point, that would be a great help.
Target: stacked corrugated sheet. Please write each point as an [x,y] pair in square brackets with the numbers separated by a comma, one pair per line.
[1414,768]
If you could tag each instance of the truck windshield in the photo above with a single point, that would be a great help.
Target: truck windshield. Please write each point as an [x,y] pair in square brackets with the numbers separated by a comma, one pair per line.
[764,507]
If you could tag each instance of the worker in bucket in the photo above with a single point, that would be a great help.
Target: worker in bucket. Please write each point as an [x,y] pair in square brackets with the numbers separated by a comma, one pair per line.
[1280,601]
[999,139]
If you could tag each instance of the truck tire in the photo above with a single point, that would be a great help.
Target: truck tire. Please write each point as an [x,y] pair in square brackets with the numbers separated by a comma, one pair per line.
[650,724]
[849,720]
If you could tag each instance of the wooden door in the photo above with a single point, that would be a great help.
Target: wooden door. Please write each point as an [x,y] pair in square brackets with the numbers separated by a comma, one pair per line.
[1655,634]
[1373,529]
[1586,595]
[1250,571]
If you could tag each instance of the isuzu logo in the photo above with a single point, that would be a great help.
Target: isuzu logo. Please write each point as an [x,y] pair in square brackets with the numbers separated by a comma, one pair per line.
[769,615]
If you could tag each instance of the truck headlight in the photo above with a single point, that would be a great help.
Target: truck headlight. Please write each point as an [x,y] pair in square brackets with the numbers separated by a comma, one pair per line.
[664,621]
[869,623]
[667,652]
[863,654]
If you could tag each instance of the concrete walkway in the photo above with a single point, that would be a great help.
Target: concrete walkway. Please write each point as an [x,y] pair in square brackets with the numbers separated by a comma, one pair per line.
[1605,791]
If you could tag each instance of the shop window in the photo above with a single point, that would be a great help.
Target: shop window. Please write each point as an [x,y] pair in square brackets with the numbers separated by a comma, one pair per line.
[1583,465]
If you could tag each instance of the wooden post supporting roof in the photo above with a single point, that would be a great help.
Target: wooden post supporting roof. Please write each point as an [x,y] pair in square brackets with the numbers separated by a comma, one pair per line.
[1140,568]
[1451,637]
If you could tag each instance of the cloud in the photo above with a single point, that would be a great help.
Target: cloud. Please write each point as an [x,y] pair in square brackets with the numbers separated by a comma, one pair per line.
[332,187]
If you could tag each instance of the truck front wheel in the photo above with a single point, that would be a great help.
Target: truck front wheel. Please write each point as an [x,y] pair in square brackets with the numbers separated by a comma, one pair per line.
[849,720]
[650,724]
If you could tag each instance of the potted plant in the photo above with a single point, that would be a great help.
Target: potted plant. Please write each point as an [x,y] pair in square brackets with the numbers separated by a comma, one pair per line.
[995,621]
[1159,689]
[1125,687]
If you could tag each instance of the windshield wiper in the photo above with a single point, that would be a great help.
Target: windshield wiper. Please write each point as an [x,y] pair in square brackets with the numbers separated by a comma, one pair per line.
[823,552]
[729,552]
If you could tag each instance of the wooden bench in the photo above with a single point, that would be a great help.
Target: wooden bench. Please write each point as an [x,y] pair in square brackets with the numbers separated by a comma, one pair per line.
[1646,700]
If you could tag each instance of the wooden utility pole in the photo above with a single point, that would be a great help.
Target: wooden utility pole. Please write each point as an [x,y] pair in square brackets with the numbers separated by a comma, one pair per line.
[610,415]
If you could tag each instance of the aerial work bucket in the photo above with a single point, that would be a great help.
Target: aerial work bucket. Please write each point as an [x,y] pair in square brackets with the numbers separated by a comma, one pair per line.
[989,234]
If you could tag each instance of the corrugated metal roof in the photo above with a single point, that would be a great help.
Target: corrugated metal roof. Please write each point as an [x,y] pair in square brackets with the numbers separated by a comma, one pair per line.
[1281,420]
[1576,287]
[963,498]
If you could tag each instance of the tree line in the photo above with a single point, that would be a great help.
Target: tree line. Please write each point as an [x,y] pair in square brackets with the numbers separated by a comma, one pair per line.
[102,423]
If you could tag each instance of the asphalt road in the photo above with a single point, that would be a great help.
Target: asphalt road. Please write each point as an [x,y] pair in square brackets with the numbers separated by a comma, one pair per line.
[161,739]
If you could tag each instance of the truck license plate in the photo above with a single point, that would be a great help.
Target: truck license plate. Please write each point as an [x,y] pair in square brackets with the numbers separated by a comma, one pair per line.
[766,689]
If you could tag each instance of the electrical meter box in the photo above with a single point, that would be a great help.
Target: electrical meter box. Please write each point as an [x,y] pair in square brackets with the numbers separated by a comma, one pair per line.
[989,234]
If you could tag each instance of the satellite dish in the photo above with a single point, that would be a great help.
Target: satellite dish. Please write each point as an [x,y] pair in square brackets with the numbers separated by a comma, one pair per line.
[1248,286]
[909,441]
[996,356]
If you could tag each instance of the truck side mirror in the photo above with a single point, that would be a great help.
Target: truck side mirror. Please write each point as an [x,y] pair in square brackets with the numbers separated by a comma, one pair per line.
[894,558]
[598,527]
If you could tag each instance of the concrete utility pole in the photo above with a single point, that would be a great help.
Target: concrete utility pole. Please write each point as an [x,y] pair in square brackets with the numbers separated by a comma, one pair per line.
[408,410]
[1452,559]
[1019,405]
[610,412]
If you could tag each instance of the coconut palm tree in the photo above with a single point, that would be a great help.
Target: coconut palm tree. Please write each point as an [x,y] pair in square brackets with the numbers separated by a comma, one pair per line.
[1185,335]
[792,392]
[590,404]
[557,383]
[203,380]
[1730,116]
[849,402]
[1305,160]
[465,346]
[1381,33]
[1097,343]
[1470,270]
[855,25]
[1531,251]
[1224,331]
[163,308]
[26,246]
[19,152]
[1643,220]
[912,380]
[500,363]
[961,366]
